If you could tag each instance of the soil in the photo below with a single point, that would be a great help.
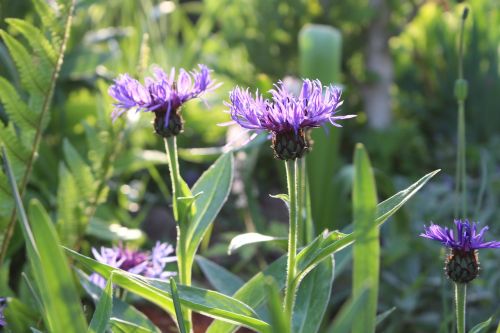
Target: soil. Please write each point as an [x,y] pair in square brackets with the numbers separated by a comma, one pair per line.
[165,323]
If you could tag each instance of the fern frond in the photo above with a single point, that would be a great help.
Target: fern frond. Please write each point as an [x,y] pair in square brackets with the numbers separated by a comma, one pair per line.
[37,40]
[69,213]
[18,153]
[80,171]
[17,110]
[25,64]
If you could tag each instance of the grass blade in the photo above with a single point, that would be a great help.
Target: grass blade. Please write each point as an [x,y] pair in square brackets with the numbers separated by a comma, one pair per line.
[102,313]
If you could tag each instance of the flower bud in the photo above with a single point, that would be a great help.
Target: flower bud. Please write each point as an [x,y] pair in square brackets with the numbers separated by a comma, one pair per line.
[168,127]
[290,145]
[462,266]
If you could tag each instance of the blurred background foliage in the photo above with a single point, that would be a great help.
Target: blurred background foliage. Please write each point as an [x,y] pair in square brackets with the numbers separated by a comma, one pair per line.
[254,43]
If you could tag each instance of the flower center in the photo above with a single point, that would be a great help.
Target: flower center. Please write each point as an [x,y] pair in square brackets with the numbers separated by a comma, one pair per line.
[290,145]
[168,127]
[462,266]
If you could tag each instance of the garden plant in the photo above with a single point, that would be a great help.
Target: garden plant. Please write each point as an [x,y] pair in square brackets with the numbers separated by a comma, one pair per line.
[230,166]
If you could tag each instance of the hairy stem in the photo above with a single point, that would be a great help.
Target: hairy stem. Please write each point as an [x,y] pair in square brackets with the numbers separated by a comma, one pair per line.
[292,182]
[460,296]
[184,265]
[39,130]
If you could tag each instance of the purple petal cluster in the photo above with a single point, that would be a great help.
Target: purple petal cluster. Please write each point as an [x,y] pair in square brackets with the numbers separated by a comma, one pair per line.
[465,239]
[149,264]
[162,92]
[286,112]
[2,308]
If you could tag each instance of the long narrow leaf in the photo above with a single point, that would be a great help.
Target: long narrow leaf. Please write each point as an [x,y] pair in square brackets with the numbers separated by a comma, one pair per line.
[102,313]
[177,306]
[207,302]
[63,313]
[366,249]
[252,292]
[347,315]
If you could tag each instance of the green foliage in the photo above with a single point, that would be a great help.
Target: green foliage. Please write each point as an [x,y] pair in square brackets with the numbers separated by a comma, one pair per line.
[207,302]
[61,304]
[221,279]
[38,64]
[103,310]
[366,249]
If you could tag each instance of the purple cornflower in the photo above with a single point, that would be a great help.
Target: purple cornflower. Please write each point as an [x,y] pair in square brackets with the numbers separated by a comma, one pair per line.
[148,264]
[462,264]
[286,115]
[161,94]
[2,308]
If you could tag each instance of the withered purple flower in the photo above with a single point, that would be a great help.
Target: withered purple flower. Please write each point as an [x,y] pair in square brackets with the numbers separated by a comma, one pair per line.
[149,264]
[286,116]
[161,94]
[462,264]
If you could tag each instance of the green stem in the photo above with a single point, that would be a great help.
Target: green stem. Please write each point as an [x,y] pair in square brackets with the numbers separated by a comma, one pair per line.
[301,227]
[460,296]
[184,266]
[292,182]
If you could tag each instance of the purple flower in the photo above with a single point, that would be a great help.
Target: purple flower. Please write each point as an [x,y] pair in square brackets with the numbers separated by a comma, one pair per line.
[462,264]
[3,304]
[465,239]
[286,115]
[149,264]
[161,94]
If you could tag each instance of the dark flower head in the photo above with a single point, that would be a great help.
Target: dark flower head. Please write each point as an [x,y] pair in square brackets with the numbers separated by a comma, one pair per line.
[287,116]
[162,94]
[148,264]
[462,264]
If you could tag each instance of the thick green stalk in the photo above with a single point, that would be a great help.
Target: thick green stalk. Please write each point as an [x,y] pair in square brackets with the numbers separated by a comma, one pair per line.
[292,182]
[460,295]
[184,266]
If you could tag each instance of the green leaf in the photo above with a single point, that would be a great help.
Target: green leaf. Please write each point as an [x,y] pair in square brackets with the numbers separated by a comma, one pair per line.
[19,316]
[69,223]
[481,326]
[50,267]
[313,297]
[37,40]
[81,172]
[253,294]
[17,110]
[381,317]
[215,184]
[113,231]
[279,322]
[102,313]
[322,247]
[177,306]
[30,77]
[366,249]
[252,238]
[120,325]
[207,302]
[220,278]
[121,311]
[347,315]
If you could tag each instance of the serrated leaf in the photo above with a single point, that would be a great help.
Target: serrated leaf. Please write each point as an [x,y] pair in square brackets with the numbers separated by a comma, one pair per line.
[30,78]
[17,110]
[68,212]
[81,172]
[36,39]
